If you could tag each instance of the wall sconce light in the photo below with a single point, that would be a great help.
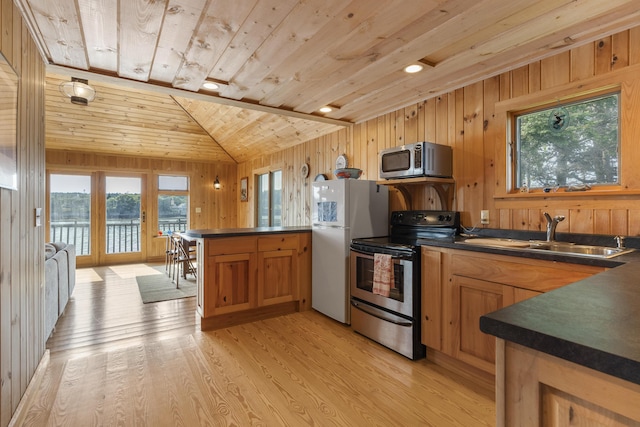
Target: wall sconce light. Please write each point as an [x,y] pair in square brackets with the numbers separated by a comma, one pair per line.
[216,183]
[78,90]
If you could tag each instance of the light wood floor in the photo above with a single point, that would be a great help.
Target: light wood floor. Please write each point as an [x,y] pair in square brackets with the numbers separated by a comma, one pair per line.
[300,369]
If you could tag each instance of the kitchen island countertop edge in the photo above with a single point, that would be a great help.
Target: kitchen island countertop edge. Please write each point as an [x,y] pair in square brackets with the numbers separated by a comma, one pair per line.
[232,232]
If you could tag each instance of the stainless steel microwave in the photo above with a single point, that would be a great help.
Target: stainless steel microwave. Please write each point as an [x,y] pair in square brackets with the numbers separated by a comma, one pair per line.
[419,159]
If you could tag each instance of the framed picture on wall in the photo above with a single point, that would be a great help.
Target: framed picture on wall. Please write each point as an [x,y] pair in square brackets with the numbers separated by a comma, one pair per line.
[244,189]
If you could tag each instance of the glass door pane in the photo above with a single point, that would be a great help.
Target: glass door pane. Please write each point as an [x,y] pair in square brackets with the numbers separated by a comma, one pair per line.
[70,211]
[123,214]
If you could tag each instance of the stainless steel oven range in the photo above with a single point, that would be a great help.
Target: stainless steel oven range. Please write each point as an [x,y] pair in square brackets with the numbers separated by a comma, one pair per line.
[392,318]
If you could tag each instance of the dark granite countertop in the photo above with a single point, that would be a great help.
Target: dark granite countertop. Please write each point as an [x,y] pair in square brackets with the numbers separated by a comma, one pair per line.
[584,239]
[232,232]
[594,322]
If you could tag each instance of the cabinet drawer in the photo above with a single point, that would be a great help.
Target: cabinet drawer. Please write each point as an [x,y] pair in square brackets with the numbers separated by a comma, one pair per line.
[277,242]
[231,245]
[541,276]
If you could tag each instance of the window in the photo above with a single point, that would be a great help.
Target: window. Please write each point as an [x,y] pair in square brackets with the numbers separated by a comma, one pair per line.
[569,144]
[269,199]
[123,214]
[173,203]
[70,211]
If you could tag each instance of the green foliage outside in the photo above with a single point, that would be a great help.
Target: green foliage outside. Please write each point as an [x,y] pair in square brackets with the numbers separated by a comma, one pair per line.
[123,206]
[70,207]
[583,152]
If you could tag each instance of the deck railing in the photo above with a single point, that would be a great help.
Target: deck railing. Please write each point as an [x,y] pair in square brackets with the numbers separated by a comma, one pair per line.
[122,236]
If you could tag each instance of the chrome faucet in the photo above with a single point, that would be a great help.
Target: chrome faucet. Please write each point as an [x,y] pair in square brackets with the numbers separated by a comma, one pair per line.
[552,223]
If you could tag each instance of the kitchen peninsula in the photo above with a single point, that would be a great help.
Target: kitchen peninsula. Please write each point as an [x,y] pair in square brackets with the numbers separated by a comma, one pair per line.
[571,356]
[246,274]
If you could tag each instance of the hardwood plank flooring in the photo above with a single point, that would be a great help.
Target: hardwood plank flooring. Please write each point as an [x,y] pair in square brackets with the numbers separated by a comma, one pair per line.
[299,369]
[106,309]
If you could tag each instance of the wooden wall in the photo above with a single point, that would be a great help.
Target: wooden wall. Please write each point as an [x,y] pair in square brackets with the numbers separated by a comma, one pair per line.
[217,207]
[466,119]
[21,243]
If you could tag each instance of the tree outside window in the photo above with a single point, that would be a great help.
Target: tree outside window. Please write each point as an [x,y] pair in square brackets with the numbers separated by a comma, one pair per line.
[569,144]
[173,203]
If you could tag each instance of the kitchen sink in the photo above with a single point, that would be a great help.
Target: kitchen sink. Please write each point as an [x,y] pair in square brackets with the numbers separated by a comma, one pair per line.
[564,248]
[581,250]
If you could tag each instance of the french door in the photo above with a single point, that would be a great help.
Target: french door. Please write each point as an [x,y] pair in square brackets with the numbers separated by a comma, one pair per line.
[102,214]
[122,219]
[71,212]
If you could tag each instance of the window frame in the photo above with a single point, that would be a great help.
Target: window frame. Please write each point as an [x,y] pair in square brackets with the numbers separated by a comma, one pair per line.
[256,211]
[514,154]
[160,192]
[624,80]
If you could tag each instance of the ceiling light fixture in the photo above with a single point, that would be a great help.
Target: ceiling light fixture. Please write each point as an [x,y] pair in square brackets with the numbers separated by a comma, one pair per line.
[78,90]
[216,183]
[326,109]
[211,86]
[413,68]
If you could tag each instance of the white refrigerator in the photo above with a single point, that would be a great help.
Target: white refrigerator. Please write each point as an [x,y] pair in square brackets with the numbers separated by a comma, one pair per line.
[342,210]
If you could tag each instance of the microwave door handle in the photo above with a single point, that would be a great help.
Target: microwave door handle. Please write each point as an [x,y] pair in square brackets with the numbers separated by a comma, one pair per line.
[381,314]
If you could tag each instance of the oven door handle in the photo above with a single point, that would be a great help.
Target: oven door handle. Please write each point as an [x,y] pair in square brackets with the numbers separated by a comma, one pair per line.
[380,314]
[371,254]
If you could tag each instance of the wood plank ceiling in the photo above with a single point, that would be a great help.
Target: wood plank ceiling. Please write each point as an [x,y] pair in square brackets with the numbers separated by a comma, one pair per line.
[278,61]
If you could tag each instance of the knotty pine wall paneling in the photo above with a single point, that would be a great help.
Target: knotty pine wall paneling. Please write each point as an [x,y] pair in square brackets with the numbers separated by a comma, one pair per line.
[22,338]
[218,207]
[467,120]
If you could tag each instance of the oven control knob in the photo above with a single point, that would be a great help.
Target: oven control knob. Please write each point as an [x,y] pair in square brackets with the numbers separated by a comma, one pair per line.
[441,218]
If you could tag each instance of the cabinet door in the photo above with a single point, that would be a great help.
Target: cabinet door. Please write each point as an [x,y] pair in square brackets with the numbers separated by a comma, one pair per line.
[277,273]
[538,389]
[431,298]
[230,283]
[562,409]
[468,300]
[513,295]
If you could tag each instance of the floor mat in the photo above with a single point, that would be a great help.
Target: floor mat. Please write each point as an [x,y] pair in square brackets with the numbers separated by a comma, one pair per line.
[159,287]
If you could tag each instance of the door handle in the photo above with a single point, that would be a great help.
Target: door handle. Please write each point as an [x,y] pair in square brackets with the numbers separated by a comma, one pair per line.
[387,317]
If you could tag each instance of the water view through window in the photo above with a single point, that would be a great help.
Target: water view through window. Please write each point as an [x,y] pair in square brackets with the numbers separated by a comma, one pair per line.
[123,214]
[70,211]
[173,203]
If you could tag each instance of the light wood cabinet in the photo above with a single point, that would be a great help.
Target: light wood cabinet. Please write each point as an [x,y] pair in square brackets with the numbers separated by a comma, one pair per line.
[459,286]
[431,294]
[228,276]
[537,389]
[277,269]
[231,280]
[469,299]
[248,277]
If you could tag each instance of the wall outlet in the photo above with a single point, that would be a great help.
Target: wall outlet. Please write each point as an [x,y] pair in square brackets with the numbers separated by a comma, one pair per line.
[484,217]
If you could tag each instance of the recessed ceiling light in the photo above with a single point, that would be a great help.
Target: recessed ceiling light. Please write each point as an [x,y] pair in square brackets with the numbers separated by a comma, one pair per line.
[210,85]
[326,109]
[413,68]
